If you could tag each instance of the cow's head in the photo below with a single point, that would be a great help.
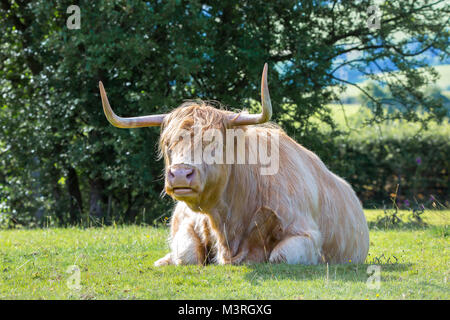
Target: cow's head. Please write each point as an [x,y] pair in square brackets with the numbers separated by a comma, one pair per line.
[184,131]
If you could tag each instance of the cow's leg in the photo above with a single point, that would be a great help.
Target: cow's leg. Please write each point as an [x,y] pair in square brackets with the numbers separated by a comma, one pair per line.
[187,240]
[296,250]
[183,248]
[186,245]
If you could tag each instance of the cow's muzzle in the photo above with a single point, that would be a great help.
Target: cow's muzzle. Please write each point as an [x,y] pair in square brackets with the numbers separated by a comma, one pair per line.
[181,180]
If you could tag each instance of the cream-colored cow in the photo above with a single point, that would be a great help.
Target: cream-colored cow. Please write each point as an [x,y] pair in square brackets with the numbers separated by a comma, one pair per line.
[232,212]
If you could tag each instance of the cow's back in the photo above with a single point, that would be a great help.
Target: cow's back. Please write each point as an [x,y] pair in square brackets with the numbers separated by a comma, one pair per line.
[324,202]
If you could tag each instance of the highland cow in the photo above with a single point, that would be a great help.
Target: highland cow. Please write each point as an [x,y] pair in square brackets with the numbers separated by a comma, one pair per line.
[232,212]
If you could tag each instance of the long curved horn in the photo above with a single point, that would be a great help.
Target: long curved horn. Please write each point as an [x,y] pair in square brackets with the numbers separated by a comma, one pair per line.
[135,122]
[247,119]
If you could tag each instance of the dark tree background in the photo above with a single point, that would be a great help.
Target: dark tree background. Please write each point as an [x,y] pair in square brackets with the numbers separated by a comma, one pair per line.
[61,160]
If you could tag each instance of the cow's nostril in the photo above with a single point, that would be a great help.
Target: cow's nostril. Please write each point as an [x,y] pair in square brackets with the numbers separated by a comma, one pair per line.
[190,176]
[180,174]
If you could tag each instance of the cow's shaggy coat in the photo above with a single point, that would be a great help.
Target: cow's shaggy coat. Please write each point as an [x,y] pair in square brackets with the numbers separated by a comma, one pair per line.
[302,214]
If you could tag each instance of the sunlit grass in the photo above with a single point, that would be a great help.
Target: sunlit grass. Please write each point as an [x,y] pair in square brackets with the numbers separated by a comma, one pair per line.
[353,120]
[117,263]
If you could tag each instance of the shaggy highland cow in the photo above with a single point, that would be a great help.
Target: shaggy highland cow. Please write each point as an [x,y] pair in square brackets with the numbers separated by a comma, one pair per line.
[232,211]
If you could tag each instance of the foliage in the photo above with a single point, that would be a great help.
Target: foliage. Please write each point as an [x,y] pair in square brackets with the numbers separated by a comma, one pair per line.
[385,97]
[62,163]
[376,159]
[114,265]
[391,219]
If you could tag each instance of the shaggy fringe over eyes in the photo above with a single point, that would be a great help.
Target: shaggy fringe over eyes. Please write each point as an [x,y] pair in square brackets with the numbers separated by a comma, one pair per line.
[205,114]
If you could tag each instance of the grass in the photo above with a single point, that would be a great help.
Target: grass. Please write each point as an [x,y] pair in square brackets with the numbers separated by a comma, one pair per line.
[117,263]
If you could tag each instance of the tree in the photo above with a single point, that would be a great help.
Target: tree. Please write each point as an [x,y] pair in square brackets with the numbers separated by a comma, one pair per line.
[60,156]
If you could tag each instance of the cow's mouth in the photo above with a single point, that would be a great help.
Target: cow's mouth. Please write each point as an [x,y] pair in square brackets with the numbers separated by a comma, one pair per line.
[183,191]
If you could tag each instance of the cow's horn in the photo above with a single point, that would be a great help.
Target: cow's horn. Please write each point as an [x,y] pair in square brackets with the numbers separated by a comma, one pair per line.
[135,122]
[247,119]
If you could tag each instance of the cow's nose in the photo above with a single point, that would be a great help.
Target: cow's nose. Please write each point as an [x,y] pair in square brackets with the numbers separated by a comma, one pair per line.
[181,175]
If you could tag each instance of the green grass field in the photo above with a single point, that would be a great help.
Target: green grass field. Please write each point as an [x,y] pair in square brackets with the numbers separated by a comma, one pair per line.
[117,263]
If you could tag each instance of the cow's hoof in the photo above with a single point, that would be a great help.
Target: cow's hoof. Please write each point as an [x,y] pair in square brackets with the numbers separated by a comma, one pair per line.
[163,261]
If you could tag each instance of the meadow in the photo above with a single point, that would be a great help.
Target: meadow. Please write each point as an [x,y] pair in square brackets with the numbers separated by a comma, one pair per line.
[116,262]
[81,212]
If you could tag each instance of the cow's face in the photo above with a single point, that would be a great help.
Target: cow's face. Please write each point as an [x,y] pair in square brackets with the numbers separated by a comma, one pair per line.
[188,177]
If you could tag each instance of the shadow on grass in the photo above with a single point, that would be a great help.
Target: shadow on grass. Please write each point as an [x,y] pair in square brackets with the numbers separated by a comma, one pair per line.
[337,272]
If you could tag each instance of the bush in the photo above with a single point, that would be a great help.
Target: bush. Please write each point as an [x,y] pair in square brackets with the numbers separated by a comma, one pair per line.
[375,159]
